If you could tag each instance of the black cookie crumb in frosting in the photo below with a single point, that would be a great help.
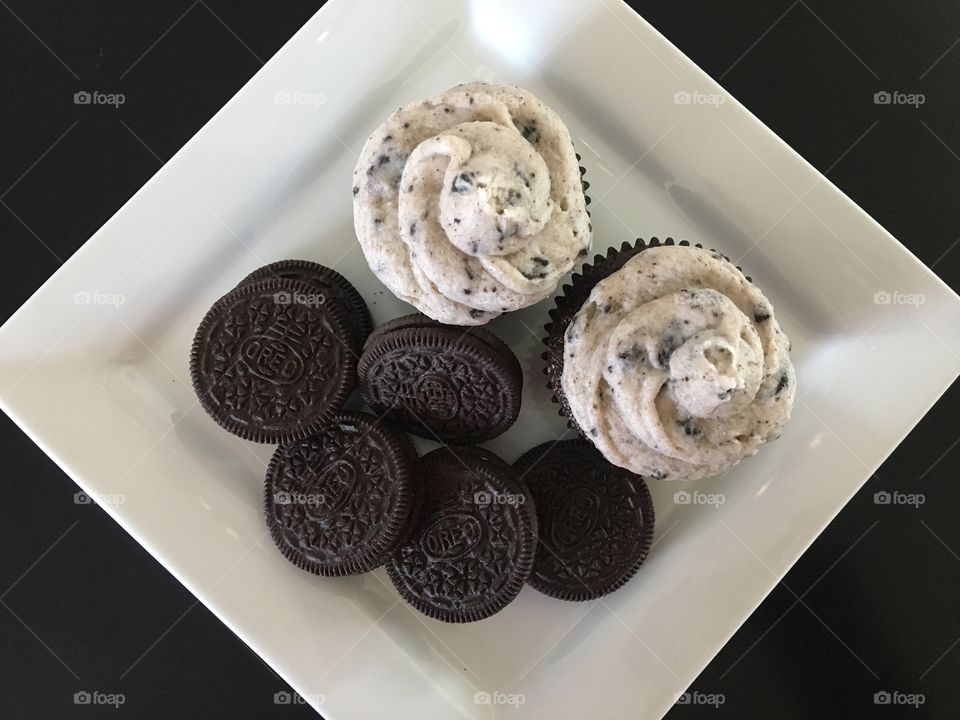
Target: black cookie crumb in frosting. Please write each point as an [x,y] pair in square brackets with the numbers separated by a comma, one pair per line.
[596,520]
[441,382]
[332,285]
[456,239]
[667,367]
[342,501]
[572,298]
[473,548]
[270,364]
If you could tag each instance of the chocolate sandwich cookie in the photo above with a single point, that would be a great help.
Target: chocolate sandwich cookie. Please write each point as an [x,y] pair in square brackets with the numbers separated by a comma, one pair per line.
[269,362]
[404,322]
[332,285]
[441,382]
[343,501]
[473,548]
[595,519]
[421,321]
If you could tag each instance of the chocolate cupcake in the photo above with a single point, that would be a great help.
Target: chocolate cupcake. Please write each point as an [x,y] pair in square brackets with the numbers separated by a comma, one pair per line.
[669,360]
[471,203]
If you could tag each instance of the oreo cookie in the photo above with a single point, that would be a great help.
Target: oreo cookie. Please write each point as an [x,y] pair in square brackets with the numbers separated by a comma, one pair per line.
[441,382]
[404,322]
[269,362]
[596,520]
[474,546]
[332,285]
[342,501]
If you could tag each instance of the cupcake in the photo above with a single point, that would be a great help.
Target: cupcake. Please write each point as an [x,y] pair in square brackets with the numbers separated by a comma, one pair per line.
[669,360]
[470,204]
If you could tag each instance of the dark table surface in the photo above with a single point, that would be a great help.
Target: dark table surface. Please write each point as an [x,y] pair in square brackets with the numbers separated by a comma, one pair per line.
[873,606]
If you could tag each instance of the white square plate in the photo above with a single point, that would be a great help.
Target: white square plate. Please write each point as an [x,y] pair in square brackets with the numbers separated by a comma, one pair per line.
[94,366]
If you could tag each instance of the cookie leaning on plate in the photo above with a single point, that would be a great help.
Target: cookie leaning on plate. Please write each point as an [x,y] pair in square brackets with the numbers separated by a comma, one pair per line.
[473,548]
[342,501]
[441,382]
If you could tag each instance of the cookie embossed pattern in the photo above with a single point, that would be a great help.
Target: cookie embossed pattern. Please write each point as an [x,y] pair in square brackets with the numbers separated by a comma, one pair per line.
[268,364]
[441,382]
[596,520]
[342,501]
[470,556]
[328,286]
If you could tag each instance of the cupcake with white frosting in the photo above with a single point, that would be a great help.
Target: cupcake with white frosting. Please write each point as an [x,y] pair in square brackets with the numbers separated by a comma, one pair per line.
[670,361]
[470,204]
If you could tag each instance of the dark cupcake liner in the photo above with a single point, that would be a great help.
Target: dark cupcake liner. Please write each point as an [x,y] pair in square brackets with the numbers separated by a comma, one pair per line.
[572,297]
[586,186]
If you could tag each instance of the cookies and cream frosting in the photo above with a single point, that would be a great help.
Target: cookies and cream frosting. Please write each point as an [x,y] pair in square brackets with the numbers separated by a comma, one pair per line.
[470,203]
[676,367]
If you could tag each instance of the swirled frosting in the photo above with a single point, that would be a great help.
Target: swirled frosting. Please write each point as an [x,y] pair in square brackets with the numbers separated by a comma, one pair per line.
[676,367]
[469,204]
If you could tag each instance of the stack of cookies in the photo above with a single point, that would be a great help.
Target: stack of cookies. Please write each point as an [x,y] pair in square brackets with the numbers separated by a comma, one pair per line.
[460,531]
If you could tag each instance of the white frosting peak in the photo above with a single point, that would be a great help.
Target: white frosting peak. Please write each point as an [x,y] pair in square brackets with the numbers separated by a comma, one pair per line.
[676,367]
[469,204]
